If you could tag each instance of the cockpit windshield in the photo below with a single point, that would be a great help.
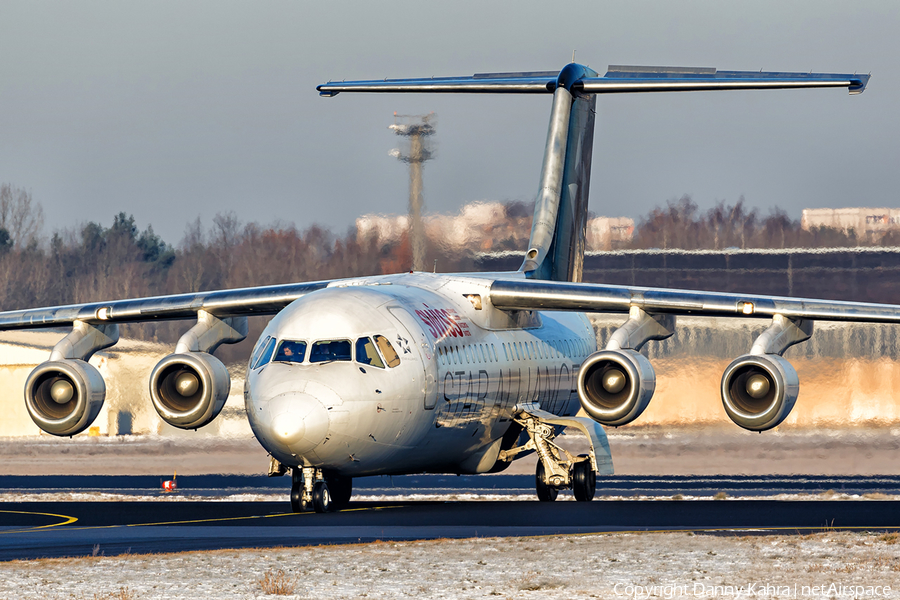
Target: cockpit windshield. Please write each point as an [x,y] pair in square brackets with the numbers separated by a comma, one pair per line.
[290,351]
[330,350]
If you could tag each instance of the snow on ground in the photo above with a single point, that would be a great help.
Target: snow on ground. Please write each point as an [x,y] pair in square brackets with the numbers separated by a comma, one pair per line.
[634,565]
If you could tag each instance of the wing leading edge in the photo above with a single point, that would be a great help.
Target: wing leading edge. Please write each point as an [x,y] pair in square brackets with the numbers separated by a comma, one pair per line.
[264,300]
[529,294]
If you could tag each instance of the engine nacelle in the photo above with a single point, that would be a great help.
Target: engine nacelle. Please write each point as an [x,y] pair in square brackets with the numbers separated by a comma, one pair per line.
[189,389]
[615,386]
[63,397]
[759,391]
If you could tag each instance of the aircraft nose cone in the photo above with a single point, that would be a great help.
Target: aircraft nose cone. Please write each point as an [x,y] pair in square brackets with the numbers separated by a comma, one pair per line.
[299,421]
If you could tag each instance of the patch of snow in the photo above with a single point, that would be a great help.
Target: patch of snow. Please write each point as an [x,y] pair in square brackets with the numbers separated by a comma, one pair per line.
[633,565]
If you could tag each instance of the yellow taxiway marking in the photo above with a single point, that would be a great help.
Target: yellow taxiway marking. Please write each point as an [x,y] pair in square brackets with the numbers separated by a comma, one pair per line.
[67,520]
[162,523]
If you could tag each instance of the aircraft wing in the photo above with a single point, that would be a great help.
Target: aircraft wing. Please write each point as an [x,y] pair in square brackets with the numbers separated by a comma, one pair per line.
[532,294]
[264,300]
[618,79]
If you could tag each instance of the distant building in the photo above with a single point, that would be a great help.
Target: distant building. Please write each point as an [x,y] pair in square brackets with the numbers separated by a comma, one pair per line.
[866,222]
[609,233]
[486,227]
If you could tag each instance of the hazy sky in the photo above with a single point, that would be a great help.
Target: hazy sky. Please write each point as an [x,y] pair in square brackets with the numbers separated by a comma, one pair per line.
[170,110]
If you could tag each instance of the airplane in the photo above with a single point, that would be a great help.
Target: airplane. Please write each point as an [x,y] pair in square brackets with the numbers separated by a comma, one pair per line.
[448,373]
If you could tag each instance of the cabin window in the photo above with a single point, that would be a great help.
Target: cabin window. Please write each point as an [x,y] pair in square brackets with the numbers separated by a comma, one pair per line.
[484,354]
[516,348]
[387,351]
[325,351]
[367,354]
[266,354]
[496,358]
[533,351]
[290,351]
[468,356]
[505,351]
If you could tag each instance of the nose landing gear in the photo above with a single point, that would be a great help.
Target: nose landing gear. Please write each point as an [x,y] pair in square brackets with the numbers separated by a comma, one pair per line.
[311,489]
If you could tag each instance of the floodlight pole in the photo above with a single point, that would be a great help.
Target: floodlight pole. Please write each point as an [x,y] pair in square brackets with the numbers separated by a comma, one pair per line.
[418,153]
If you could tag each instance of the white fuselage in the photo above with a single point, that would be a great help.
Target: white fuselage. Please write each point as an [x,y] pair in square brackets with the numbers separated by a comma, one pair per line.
[442,404]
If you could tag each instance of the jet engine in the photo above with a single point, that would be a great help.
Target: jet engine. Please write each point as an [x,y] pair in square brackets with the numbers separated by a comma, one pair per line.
[63,397]
[189,389]
[615,386]
[759,391]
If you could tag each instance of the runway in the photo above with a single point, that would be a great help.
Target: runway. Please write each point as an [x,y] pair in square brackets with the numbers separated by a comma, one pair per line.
[144,524]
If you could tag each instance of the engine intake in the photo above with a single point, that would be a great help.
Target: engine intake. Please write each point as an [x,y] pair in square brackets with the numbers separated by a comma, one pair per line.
[615,386]
[759,391]
[64,397]
[189,389]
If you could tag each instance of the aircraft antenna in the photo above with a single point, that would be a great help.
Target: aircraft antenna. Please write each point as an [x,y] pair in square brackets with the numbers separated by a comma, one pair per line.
[416,131]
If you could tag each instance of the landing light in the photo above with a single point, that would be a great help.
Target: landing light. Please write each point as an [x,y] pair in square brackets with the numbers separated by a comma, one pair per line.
[747,308]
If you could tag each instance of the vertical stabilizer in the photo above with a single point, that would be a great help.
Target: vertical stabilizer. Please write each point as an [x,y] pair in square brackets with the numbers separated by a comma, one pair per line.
[556,247]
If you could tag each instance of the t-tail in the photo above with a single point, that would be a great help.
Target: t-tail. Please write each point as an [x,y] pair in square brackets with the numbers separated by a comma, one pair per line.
[556,248]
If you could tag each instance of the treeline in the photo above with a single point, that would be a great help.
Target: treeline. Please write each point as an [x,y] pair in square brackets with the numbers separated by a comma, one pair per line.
[97,262]
[681,224]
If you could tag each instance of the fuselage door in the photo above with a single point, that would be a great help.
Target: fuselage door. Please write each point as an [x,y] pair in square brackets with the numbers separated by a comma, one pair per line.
[418,344]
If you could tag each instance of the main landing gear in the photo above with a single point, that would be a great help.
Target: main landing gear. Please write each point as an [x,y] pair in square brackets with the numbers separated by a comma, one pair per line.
[557,468]
[311,489]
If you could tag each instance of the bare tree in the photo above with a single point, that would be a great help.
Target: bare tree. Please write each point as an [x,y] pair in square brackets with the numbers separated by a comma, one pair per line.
[20,215]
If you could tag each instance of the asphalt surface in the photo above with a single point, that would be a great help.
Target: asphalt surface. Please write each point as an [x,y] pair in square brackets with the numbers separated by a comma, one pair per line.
[618,485]
[47,529]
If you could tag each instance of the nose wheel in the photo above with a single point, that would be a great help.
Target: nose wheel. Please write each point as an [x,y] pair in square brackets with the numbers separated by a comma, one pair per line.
[321,497]
[310,490]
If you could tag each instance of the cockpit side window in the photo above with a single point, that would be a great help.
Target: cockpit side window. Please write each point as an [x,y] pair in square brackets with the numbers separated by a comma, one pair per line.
[367,354]
[329,351]
[260,346]
[390,355]
[265,355]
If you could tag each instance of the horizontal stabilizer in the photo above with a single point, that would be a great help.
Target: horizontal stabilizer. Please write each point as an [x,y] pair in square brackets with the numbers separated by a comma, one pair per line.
[618,79]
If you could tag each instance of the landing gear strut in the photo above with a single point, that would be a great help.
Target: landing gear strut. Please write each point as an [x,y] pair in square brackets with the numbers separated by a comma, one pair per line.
[557,468]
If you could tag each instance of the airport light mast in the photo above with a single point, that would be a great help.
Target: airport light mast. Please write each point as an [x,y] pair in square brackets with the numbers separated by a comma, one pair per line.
[415,129]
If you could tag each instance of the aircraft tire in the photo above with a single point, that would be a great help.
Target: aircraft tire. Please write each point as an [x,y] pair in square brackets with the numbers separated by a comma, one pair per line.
[584,481]
[545,493]
[341,489]
[321,497]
